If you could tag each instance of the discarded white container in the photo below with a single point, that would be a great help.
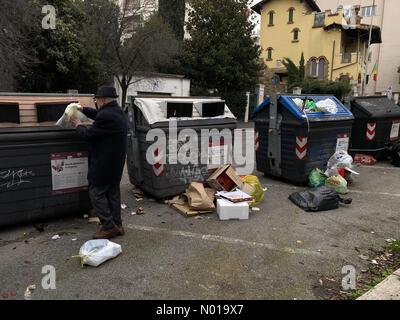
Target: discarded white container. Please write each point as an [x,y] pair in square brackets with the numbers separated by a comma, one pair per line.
[228,210]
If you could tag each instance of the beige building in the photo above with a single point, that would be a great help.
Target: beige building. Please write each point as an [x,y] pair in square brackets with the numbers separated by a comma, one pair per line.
[384,58]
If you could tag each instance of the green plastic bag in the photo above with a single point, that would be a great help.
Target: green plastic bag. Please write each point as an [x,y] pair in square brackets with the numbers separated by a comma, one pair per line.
[316,178]
[257,189]
[338,184]
[311,106]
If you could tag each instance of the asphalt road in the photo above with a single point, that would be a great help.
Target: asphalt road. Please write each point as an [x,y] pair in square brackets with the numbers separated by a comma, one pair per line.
[281,252]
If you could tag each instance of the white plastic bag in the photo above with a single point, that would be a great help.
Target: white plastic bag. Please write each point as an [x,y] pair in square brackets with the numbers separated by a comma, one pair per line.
[71,110]
[340,159]
[327,106]
[95,252]
[299,103]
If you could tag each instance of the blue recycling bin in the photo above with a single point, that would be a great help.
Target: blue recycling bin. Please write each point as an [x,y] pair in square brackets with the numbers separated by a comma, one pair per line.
[291,142]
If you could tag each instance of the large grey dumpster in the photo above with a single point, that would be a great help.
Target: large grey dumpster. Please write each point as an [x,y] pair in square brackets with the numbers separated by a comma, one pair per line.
[377,124]
[161,177]
[42,174]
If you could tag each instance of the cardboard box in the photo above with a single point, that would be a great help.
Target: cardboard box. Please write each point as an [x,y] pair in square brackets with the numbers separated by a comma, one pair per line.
[225,179]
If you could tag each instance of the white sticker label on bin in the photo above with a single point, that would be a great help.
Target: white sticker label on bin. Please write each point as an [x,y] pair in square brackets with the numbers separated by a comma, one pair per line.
[394,133]
[342,143]
[69,172]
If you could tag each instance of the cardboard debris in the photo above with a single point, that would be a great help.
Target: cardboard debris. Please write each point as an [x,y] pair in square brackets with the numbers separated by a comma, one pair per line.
[94,220]
[181,204]
[186,211]
[138,194]
[198,198]
[225,179]
[28,292]
[235,196]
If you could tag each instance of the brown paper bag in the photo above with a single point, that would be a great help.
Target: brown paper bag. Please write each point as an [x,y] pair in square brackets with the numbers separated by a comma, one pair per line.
[198,197]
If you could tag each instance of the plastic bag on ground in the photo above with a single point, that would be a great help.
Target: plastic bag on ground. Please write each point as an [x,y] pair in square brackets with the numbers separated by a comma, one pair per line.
[338,184]
[340,159]
[394,153]
[95,252]
[365,159]
[316,178]
[327,106]
[70,111]
[257,191]
[319,199]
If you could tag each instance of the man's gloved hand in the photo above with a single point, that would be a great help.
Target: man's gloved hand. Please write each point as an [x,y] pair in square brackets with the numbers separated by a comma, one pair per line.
[79,107]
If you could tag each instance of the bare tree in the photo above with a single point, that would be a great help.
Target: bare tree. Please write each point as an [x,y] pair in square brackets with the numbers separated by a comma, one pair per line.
[143,42]
[16,22]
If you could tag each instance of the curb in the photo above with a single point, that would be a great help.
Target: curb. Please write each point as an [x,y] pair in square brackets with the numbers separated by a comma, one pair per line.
[388,289]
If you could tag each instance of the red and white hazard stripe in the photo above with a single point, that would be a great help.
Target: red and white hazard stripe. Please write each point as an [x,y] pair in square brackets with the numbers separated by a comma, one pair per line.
[371,131]
[158,166]
[301,148]
[257,140]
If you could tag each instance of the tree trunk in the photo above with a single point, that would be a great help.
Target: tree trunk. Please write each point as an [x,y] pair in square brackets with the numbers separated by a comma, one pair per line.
[124,89]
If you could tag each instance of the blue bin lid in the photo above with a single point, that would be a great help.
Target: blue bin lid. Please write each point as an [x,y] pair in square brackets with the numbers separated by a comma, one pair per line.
[287,102]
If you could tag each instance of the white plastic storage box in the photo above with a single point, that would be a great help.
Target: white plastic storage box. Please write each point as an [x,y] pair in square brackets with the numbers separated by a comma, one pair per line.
[228,210]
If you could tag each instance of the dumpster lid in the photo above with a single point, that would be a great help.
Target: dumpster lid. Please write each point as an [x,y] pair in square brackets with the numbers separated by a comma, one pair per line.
[155,109]
[287,101]
[376,106]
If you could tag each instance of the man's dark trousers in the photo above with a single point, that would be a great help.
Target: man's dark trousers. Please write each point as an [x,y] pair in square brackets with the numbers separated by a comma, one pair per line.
[107,138]
[106,201]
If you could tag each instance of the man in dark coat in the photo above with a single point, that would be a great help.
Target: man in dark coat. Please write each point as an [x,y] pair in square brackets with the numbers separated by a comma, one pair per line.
[108,140]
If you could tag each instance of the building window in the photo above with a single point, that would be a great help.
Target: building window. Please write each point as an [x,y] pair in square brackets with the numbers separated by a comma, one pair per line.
[368,11]
[319,20]
[313,68]
[321,68]
[271,18]
[291,13]
[295,35]
[318,67]
[269,54]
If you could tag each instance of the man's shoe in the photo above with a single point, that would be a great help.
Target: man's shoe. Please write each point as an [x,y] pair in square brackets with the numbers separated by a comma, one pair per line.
[107,234]
[121,231]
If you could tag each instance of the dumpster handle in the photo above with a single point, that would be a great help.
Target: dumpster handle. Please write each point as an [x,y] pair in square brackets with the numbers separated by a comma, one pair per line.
[308,121]
[274,137]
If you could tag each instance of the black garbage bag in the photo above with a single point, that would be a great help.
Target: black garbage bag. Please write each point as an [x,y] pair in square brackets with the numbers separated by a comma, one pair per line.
[394,153]
[318,199]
